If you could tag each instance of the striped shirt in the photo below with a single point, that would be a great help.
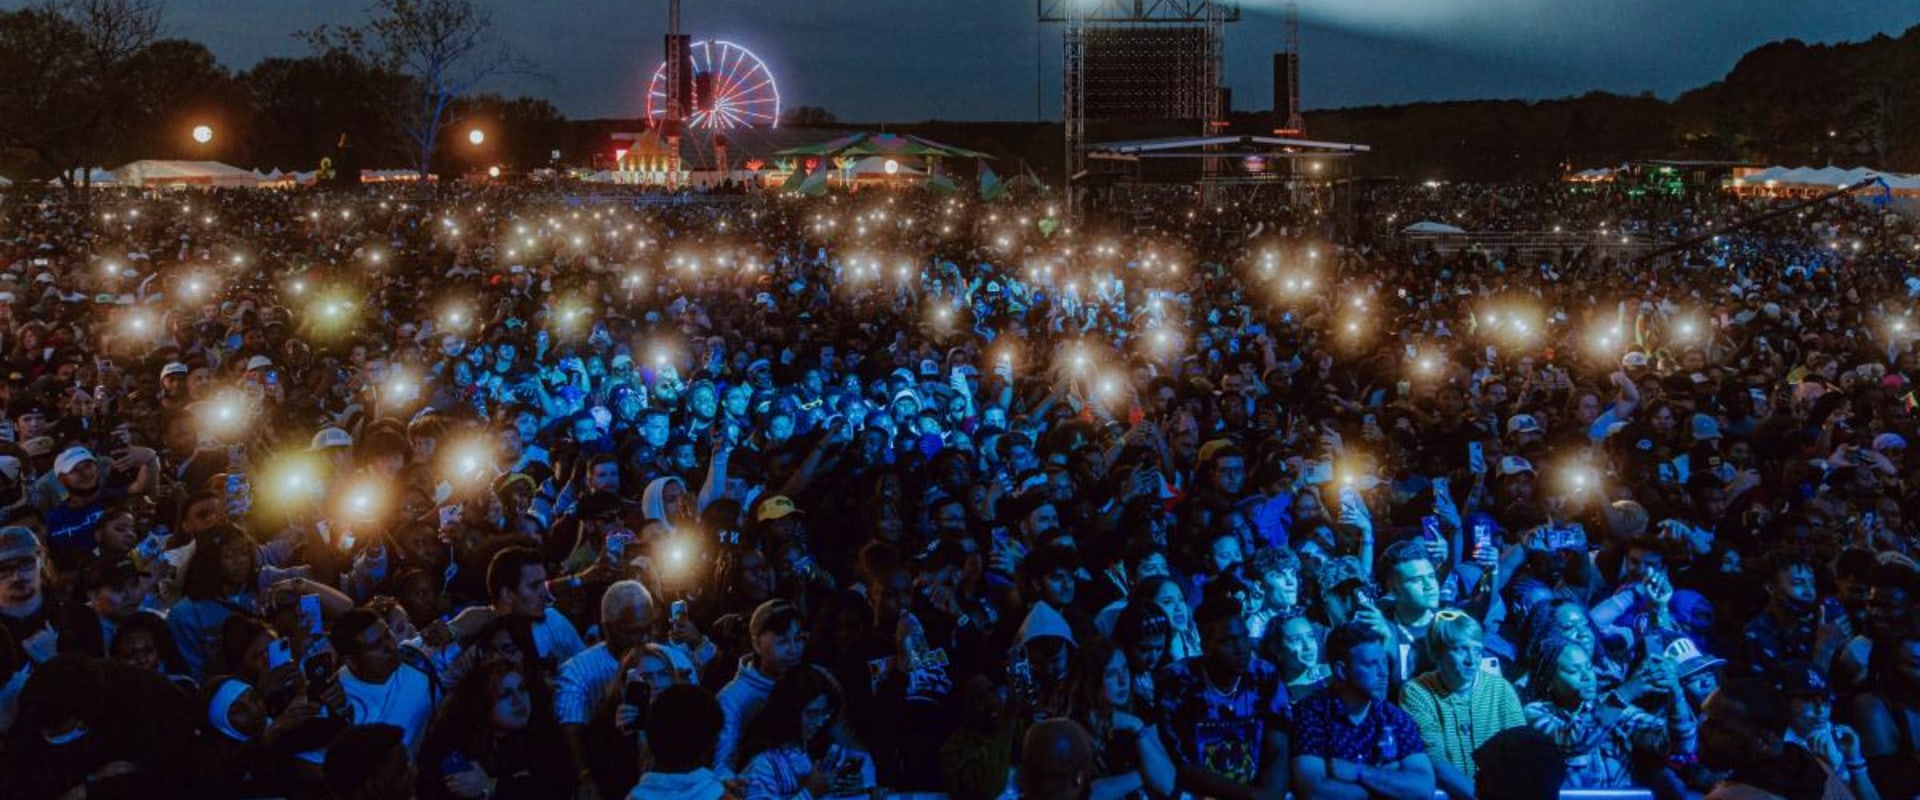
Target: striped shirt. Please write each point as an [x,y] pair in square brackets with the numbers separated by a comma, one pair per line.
[1453,724]
[584,679]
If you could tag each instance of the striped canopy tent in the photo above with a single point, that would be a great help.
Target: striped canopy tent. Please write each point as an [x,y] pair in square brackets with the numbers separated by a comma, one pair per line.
[895,145]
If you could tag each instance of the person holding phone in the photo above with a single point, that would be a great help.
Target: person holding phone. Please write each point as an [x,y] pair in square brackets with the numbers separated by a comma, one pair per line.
[495,737]
[793,750]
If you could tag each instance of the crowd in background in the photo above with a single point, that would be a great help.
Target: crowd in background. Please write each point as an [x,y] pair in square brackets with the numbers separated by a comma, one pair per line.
[496,492]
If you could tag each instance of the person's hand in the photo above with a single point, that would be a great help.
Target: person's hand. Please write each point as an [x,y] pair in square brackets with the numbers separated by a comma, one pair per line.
[1370,616]
[1657,588]
[1830,636]
[1848,743]
[681,631]
[941,599]
[1330,439]
[1343,770]
[468,623]
[43,645]
[280,679]
[1648,678]
[626,717]
[819,782]
[473,783]
[295,715]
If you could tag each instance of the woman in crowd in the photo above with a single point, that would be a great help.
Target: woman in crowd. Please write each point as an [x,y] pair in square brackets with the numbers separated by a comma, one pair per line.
[1129,758]
[1607,739]
[794,748]
[490,739]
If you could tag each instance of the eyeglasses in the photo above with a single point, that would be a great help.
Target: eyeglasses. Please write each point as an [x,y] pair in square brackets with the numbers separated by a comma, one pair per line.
[19,567]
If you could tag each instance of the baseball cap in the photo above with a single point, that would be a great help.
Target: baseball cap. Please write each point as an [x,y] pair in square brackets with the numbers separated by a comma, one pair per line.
[1634,360]
[763,616]
[1687,658]
[1889,440]
[778,506]
[1341,573]
[17,542]
[112,573]
[332,437]
[1207,450]
[1512,465]
[1705,427]
[1523,423]
[258,362]
[929,367]
[71,459]
[1801,679]
[175,368]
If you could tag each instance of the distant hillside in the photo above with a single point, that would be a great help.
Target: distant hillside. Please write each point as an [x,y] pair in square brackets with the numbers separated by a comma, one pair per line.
[1854,104]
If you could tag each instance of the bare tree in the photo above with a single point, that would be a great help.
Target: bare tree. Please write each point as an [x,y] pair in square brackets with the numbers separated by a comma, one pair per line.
[64,77]
[447,47]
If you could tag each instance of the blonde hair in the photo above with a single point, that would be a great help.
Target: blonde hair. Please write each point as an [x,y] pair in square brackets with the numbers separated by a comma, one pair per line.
[1451,627]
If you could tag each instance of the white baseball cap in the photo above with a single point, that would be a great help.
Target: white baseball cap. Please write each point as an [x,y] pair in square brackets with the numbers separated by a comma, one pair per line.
[71,459]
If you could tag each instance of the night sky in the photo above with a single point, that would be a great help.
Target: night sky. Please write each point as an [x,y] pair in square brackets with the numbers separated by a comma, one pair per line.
[906,60]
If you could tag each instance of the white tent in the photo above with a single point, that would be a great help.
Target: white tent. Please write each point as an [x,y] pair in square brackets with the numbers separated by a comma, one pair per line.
[1432,228]
[186,173]
[97,176]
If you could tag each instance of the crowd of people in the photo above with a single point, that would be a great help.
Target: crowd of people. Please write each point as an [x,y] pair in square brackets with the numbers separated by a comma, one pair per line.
[505,492]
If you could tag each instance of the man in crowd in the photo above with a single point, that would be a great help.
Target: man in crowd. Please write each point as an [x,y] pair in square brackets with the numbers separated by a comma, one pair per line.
[1349,741]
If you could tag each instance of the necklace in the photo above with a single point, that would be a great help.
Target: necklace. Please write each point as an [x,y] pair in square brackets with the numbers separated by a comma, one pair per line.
[1206,674]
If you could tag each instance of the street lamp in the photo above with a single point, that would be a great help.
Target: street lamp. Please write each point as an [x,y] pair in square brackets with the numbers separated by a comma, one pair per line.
[476,136]
[203,133]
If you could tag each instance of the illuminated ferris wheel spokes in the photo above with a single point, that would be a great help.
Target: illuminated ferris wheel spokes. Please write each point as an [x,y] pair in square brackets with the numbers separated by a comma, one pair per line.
[731,88]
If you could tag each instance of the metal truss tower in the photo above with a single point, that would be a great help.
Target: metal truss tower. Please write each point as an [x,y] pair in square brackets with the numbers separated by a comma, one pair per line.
[1195,92]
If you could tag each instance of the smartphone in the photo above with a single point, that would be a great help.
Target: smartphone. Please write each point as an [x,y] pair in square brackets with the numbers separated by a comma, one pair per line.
[310,613]
[279,654]
[617,542]
[1476,458]
[1482,535]
[239,494]
[678,611]
[1404,389]
[448,516]
[318,668]
[1430,528]
[637,693]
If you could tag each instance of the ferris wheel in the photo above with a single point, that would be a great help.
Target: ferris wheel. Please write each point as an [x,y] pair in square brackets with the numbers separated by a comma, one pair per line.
[731,88]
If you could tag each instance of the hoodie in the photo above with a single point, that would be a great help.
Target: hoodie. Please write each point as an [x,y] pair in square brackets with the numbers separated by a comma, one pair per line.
[700,784]
[740,700]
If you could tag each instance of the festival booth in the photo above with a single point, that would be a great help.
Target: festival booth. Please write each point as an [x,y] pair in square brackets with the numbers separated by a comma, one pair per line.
[1897,190]
[201,174]
[864,158]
